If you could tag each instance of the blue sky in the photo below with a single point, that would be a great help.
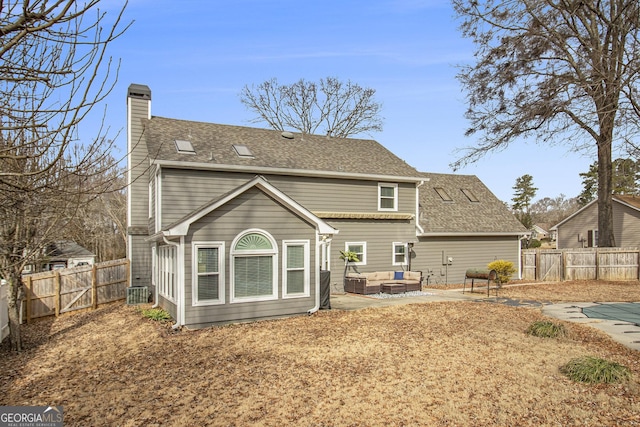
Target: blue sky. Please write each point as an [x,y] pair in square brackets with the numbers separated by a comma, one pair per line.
[196,55]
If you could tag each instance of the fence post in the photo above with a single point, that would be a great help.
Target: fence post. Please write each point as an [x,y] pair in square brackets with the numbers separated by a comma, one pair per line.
[57,284]
[597,264]
[27,297]
[94,286]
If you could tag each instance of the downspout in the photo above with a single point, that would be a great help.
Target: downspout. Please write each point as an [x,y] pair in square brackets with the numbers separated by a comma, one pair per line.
[319,241]
[178,309]
[524,236]
[420,229]
[154,263]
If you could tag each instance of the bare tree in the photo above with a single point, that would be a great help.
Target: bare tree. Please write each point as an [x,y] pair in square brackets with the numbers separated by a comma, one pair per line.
[330,107]
[53,72]
[563,71]
[99,222]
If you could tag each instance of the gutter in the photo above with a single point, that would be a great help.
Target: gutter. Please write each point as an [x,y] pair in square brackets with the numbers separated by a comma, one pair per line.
[471,233]
[178,308]
[283,171]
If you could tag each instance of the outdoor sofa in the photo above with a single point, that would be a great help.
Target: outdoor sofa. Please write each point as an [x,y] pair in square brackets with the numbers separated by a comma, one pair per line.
[383,281]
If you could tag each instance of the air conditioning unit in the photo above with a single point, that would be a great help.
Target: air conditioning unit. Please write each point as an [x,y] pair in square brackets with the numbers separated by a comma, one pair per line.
[137,295]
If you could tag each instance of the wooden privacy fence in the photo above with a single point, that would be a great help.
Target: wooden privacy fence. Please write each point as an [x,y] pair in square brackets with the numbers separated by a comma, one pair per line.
[55,292]
[552,265]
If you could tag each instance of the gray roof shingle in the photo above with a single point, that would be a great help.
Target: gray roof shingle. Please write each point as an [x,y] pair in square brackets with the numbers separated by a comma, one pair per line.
[213,144]
[460,215]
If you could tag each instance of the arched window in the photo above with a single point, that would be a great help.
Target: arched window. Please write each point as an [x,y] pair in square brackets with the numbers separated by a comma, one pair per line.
[254,275]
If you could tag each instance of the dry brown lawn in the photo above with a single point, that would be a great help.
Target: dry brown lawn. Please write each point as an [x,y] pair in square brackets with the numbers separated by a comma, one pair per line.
[453,364]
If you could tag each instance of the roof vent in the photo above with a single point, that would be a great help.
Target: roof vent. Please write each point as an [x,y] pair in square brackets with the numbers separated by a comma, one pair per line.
[287,135]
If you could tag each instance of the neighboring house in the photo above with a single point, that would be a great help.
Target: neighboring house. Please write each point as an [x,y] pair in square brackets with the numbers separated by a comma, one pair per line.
[231,223]
[580,230]
[66,254]
[538,232]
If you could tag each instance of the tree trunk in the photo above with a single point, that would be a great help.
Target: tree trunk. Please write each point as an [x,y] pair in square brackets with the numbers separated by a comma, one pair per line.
[606,239]
[13,303]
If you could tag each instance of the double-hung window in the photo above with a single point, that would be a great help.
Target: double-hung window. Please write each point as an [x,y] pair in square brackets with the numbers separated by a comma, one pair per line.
[387,197]
[400,253]
[208,273]
[360,249]
[254,275]
[295,268]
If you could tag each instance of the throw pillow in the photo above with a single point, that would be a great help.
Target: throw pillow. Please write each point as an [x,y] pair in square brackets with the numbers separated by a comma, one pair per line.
[399,275]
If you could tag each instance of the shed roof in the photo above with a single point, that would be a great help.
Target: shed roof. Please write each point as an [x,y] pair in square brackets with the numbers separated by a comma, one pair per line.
[462,204]
[65,249]
[213,146]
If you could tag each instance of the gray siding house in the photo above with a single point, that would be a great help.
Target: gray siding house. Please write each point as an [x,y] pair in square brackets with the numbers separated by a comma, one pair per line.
[230,223]
[462,225]
[580,230]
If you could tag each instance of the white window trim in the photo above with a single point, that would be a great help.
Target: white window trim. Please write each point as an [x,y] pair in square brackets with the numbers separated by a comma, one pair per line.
[363,261]
[305,268]
[234,254]
[393,254]
[395,197]
[194,273]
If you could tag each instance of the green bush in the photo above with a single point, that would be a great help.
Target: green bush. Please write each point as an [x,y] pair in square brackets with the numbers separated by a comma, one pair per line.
[590,369]
[156,314]
[505,270]
[534,243]
[546,329]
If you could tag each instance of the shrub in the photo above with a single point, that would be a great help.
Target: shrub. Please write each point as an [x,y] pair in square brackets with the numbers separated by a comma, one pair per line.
[505,270]
[590,369]
[546,329]
[534,243]
[156,314]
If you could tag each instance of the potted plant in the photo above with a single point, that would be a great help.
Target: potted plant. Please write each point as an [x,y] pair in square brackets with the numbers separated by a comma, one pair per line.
[348,256]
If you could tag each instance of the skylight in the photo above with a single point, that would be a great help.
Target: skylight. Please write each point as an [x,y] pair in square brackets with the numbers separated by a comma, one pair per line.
[184,146]
[243,151]
[472,197]
[443,194]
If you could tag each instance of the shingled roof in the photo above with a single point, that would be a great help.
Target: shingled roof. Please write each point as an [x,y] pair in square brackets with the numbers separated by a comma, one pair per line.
[213,145]
[633,201]
[462,204]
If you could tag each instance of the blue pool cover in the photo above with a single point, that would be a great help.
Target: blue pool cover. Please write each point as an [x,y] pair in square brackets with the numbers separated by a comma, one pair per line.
[628,312]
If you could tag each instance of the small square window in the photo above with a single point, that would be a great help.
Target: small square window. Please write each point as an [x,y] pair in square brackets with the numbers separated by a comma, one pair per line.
[400,254]
[360,248]
[387,197]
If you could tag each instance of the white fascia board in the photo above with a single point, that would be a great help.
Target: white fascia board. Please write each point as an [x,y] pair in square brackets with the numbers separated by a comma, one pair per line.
[283,171]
